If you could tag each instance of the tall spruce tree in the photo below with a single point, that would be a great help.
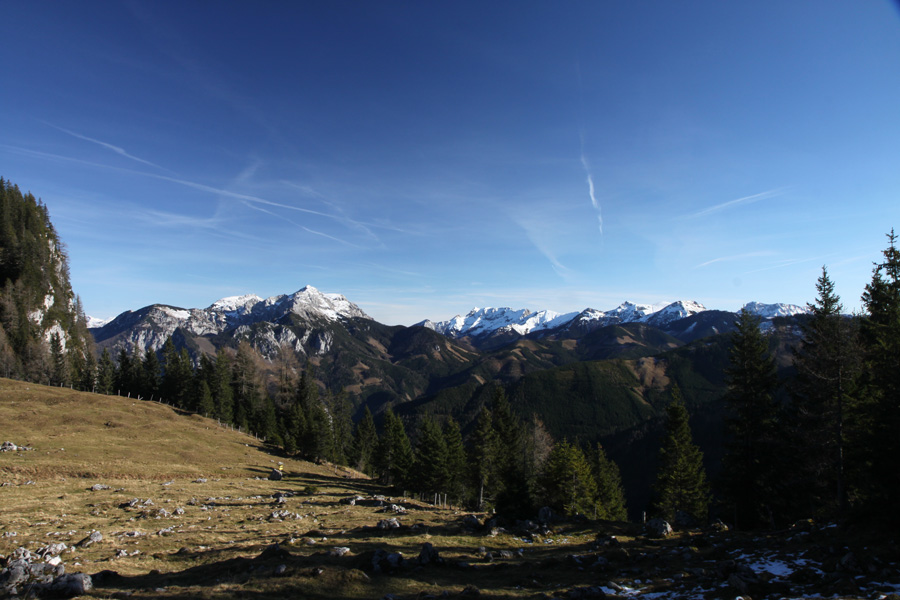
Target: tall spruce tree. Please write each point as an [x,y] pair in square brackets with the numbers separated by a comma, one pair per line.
[567,483]
[827,362]
[430,466]
[750,468]
[394,456]
[483,459]
[513,495]
[365,443]
[610,493]
[456,462]
[222,391]
[681,484]
[106,374]
[880,330]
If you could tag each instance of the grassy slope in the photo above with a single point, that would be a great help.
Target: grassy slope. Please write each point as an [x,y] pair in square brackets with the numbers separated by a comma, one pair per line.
[146,450]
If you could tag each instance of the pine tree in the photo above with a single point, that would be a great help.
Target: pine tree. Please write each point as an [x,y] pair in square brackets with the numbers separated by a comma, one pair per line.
[60,364]
[456,462]
[86,371]
[315,440]
[610,493]
[175,387]
[827,363]
[750,477]
[151,379]
[483,459]
[568,484]
[513,495]
[223,394]
[341,428]
[394,455]
[123,381]
[880,329]
[204,399]
[681,484]
[106,374]
[365,442]
[430,464]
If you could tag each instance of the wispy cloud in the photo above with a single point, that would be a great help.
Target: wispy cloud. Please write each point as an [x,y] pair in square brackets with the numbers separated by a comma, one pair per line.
[590,181]
[117,149]
[788,262]
[745,200]
[734,258]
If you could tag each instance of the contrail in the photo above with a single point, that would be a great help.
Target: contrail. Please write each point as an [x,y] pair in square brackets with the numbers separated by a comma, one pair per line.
[590,182]
[118,150]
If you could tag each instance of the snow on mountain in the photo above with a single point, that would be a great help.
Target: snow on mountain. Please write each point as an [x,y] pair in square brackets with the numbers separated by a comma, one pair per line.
[672,312]
[152,325]
[236,304]
[770,311]
[482,321]
[94,322]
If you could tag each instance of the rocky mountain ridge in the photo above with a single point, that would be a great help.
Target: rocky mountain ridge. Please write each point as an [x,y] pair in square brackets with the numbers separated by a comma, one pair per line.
[481,323]
[149,327]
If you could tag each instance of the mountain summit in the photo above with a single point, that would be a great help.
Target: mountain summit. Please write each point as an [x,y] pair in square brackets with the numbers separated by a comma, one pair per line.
[150,326]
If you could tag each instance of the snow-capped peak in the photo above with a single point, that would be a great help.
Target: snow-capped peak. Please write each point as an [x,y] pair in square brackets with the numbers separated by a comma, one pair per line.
[93,322]
[769,311]
[236,303]
[674,311]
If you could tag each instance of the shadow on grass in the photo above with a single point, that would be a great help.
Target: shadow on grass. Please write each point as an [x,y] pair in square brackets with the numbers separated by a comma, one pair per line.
[277,572]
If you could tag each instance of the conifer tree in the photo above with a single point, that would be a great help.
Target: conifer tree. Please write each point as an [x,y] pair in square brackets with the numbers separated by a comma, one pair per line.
[223,394]
[568,484]
[880,331]
[123,373]
[750,473]
[106,374]
[394,455]
[341,428]
[150,378]
[610,493]
[483,459]
[86,371]
[365,442]
[60,365]
[204,399]
[430,466]
[827,363]
[456,461]
[315,441]
[513,494]
[681,484]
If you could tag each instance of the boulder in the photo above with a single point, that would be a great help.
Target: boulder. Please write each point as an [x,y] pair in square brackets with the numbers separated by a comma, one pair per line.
[658,528]
[471,522]
[276,475]
[429,555]
[392,523]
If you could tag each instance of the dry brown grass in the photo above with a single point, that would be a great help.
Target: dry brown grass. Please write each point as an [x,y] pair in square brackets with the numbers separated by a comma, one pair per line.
[146,451]
[220,546]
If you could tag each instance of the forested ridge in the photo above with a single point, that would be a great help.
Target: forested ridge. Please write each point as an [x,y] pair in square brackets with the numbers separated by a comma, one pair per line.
[802,418]
[43,331]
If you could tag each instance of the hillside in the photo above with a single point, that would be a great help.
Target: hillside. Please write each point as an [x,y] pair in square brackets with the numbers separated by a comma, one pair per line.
[179,507]
[43,331]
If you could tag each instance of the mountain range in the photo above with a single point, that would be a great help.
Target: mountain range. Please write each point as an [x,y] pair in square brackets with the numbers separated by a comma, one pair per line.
[592,375]
[149,327]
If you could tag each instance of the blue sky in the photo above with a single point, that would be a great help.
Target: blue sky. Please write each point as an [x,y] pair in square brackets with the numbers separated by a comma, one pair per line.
[423,158]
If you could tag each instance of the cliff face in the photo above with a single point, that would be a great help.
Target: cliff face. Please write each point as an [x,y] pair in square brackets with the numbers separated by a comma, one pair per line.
[43,332]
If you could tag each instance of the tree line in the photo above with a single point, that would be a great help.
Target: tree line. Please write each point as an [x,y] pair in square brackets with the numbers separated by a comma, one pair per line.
[505,464]
[821,443]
